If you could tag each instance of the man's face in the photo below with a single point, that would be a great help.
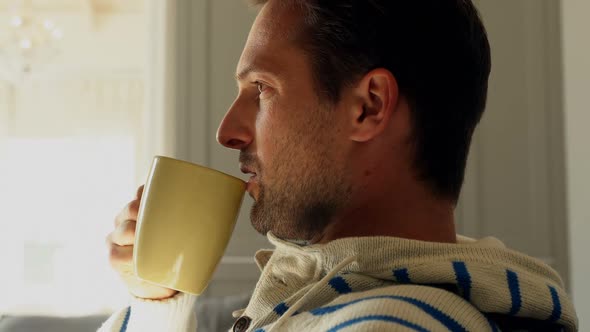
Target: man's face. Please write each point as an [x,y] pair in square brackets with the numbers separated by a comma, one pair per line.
[289,140]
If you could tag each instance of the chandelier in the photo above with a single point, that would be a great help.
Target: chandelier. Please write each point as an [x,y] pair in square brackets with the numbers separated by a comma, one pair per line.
[27,41]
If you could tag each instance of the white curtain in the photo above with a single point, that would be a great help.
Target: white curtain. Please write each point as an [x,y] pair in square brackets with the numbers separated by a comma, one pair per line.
[160,122]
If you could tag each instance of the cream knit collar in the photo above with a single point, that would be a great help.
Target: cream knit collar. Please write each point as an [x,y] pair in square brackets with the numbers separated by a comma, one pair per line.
[293,272]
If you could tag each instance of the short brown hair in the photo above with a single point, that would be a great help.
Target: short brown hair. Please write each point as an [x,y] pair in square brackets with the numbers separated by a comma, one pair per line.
[437,50]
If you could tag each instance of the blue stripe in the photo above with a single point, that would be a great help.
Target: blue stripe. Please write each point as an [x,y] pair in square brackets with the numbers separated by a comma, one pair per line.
[463,279]
[381,318]
[125,320]
[556,313]
[260,330]
[493,324]
[440,316]
[281,308]
[340,285]
[402,276]
[514,292]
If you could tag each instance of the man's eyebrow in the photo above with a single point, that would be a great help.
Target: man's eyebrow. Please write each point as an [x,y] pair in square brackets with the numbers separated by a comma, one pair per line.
[253,68]
[243,74]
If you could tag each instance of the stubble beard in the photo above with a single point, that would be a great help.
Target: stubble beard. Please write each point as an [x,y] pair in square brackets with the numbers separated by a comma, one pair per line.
[306,185]
[300,208]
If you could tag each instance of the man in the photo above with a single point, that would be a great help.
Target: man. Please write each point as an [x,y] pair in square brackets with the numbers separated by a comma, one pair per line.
[354,118]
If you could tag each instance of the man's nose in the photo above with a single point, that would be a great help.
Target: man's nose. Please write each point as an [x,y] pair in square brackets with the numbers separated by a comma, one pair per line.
[236,130]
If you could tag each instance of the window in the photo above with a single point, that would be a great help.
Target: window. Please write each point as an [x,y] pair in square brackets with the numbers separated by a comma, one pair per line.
[58,199]
[70,144]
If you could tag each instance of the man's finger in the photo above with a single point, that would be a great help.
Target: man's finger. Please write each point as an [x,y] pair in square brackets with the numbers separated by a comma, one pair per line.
[129,212]
[139,192]
[124,235]
[120,256]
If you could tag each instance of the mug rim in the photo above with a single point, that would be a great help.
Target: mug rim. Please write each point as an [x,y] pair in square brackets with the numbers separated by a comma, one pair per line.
[231,177]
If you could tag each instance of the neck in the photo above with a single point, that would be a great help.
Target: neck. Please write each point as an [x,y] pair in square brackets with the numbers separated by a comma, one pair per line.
[415,214]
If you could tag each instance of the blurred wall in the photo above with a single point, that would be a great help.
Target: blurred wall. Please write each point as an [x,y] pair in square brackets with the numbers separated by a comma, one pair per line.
[514,185]
[576,56]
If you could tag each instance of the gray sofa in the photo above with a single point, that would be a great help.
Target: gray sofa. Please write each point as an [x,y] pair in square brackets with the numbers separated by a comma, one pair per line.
[213,315]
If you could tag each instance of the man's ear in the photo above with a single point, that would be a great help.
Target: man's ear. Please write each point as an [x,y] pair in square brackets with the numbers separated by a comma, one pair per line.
[376,99]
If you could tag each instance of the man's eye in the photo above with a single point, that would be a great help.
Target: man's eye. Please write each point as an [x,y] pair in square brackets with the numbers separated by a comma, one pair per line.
[261,87]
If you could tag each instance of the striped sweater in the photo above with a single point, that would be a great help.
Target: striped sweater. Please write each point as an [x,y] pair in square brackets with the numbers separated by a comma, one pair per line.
[383,284]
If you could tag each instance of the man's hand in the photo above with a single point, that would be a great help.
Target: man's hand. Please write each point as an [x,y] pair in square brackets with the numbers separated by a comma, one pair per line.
[120,243]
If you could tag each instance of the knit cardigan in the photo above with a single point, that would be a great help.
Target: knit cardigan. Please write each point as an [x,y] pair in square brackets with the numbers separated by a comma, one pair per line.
[382,284]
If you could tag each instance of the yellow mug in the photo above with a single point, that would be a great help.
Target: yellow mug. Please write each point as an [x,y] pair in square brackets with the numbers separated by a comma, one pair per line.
[186,217]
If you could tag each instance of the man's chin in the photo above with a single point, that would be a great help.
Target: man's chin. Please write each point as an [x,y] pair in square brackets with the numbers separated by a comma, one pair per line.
[258,222]
[288,221]
[280,227]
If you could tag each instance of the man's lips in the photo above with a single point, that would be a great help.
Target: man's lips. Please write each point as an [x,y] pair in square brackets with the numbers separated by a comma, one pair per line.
[252,181]
[251,184]
[247,170]
[253,178]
